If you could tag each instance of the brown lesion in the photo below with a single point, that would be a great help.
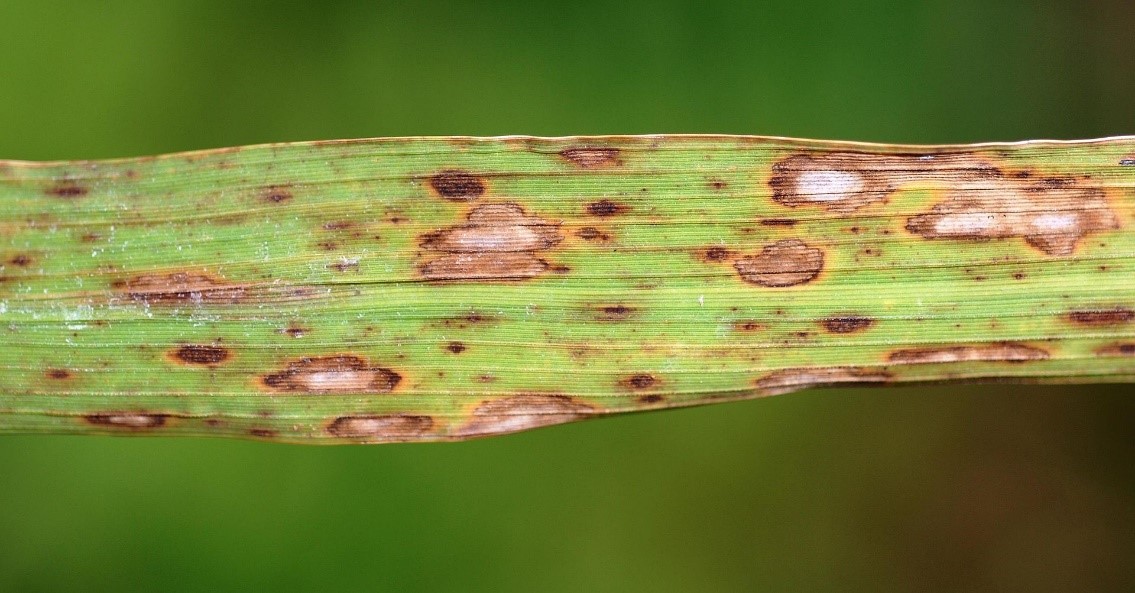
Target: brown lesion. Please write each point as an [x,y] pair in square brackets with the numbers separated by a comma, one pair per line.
[58,374]
[457,185]
[180,288]
[128,421]
[982,201]
[847,324]
[604,208]
[21,260]
[378,428]
[787,380]
[615,312]
[200,354]
[639,381]
[67,189]
[1102,317]
[1117,349]
[523,412]
[998,352]
[203,288]
[276,194]
[497,242]
[336,374]
[592,157]
[788,262]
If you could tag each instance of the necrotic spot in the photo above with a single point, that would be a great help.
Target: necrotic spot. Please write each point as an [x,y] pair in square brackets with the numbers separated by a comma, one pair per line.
[639,381]
[128,420]
[1114,316]
[456,347]
[331,375]
[606,208]
[376,427]
[67,190]
[847,324]
[201,354]
[784,263]
[591,157]
[453,184]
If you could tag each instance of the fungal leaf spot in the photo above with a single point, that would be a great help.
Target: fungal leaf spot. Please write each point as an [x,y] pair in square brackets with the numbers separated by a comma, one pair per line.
[497,242]
[522,412]
[590,157]
[457,185]
[785,263]
[339,374]
[375,428]
[1000,352]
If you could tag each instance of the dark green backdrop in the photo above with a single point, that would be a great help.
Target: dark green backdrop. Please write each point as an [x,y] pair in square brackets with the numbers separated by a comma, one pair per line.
[961,488]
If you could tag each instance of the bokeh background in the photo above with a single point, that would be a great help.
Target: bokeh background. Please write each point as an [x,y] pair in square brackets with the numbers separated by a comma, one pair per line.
[975,488]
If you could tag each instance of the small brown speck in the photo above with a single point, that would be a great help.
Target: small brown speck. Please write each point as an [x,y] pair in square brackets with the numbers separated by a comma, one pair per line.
[606,208]
[276,194]
[21,260]
[716,254]
[58,374]
[455,347]
[650,398]
[639,381]
[263,433]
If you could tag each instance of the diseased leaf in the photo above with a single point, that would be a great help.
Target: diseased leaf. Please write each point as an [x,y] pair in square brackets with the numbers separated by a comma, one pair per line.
[420,289]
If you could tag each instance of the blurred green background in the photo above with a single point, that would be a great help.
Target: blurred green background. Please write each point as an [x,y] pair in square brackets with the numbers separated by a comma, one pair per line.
[978,488]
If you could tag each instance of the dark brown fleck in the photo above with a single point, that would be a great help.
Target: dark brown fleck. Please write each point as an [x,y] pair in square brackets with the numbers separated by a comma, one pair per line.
[591,157]
[1113,316]
[67,190]
[779,222]
[785,263]
[381,427]
[455,347]
[461,186]
[338,225]
[21,260]
[606,208]
[847,324]
[1118,349]
[58,374]
[639,381]
[718,184]
[263,433]
[590,233]
[332,374]
[650,398]
[716,254]
[276,194]
[200,354]
[614,312]
[749,326]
